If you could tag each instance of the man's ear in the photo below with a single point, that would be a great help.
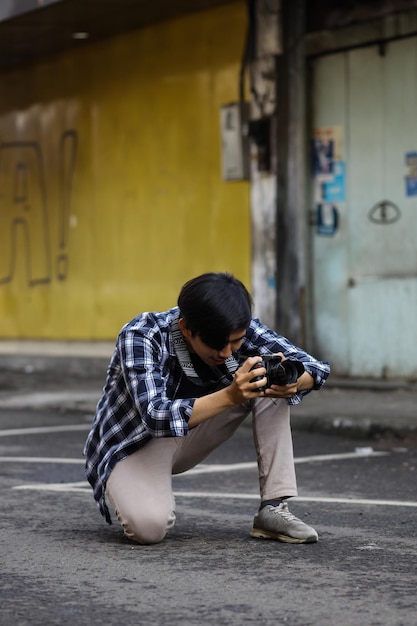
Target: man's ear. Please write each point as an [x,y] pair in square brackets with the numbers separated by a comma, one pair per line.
[183,328]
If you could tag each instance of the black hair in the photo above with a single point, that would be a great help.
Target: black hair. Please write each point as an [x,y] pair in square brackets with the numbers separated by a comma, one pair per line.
[213,305]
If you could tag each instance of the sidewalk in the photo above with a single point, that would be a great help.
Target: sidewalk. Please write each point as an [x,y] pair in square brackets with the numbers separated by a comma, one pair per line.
[69,376]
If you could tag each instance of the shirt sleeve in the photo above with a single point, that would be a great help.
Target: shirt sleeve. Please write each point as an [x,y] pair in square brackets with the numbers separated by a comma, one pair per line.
[262,340]
[142,361]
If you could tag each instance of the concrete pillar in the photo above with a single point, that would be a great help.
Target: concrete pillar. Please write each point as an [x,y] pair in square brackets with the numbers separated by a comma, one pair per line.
[264,44]
[292,152]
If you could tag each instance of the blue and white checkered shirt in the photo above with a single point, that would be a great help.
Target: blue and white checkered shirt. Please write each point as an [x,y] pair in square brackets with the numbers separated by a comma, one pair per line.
[141,398]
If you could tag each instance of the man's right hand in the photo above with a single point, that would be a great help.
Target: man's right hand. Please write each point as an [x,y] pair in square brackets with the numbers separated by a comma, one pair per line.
[244,386]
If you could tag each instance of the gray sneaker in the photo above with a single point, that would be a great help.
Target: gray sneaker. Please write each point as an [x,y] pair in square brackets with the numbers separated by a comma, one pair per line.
[277,522]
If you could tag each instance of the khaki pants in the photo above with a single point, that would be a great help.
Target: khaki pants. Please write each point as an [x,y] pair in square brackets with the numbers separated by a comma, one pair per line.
[140,486]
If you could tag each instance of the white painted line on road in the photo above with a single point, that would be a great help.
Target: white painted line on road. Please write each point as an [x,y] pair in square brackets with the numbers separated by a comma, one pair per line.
[218,467]
[50,398]
[338,457]
[251,496]
[213,468]
[370,501]
[203,468]
[40,459]
[83,487]
[80,487]
[42,430]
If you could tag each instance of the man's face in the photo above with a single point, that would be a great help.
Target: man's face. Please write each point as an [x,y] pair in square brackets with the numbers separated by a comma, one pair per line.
[211,356]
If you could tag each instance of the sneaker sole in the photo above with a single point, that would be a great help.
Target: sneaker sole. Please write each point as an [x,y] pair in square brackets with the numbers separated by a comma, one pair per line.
[257,533]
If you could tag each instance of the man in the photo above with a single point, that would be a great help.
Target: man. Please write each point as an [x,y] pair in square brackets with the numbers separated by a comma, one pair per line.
[176,390]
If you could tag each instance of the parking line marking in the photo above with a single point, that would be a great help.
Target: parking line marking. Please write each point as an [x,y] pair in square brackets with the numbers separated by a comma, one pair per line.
[217,467]
[41,430]
[42,459]
[203,468]
[339,457]
[83,487]
[80,487]
[250,496]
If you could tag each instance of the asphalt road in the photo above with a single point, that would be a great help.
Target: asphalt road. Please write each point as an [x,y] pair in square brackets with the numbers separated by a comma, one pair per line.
[61,564]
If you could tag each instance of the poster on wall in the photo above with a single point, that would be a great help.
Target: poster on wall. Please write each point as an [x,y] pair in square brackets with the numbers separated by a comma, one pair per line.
[327,149]
[334,189]
[327,219]
[411,178]
[329,171]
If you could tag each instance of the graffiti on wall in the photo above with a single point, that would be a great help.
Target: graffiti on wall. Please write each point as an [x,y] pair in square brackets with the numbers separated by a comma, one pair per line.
[24,212]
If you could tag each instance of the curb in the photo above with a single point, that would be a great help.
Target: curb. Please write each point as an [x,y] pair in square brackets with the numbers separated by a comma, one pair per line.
[350,427]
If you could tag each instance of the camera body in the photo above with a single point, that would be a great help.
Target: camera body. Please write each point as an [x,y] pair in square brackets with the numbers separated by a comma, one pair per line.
[278,372]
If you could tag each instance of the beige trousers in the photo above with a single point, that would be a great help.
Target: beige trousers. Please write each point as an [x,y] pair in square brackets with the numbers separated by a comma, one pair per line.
[140,487]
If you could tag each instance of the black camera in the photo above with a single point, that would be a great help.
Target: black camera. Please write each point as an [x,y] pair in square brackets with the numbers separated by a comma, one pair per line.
[278,372]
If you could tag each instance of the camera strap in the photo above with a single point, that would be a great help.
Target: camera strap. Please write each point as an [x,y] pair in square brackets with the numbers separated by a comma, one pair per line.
[187,366]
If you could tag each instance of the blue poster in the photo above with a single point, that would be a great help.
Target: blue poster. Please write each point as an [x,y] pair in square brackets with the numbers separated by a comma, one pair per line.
[411,179]
[334,190]
[327,219]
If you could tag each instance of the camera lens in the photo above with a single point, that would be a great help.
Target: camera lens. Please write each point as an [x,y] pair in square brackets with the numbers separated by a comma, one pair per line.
[284,372]
[276,373]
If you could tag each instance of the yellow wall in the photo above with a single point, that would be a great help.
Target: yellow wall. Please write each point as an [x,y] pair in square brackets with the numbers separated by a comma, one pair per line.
[110,179]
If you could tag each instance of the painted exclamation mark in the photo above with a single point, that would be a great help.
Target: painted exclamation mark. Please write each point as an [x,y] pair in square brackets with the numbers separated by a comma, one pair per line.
[67,155]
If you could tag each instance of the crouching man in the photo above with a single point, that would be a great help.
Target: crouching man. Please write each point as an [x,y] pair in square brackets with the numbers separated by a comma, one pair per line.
[179,384]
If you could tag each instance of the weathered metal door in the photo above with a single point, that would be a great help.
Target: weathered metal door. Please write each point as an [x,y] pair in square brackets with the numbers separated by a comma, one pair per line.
[364,199]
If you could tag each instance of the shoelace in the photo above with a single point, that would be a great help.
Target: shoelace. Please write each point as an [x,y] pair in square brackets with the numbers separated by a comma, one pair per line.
[283,510]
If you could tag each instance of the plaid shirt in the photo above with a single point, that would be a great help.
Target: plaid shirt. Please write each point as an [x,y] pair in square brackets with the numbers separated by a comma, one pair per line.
[140,398]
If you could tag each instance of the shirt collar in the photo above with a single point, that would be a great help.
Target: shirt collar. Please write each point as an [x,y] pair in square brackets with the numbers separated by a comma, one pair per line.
[185,361]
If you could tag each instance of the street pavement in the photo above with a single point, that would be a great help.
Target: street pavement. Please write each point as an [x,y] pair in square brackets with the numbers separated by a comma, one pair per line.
[61,564]
[69,377]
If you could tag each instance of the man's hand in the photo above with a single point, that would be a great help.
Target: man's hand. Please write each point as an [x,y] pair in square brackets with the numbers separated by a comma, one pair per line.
[244,387]
[281,391]
[304,382]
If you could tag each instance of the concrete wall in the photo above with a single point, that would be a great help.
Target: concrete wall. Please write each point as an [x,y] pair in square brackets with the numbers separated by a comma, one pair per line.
[110,178]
